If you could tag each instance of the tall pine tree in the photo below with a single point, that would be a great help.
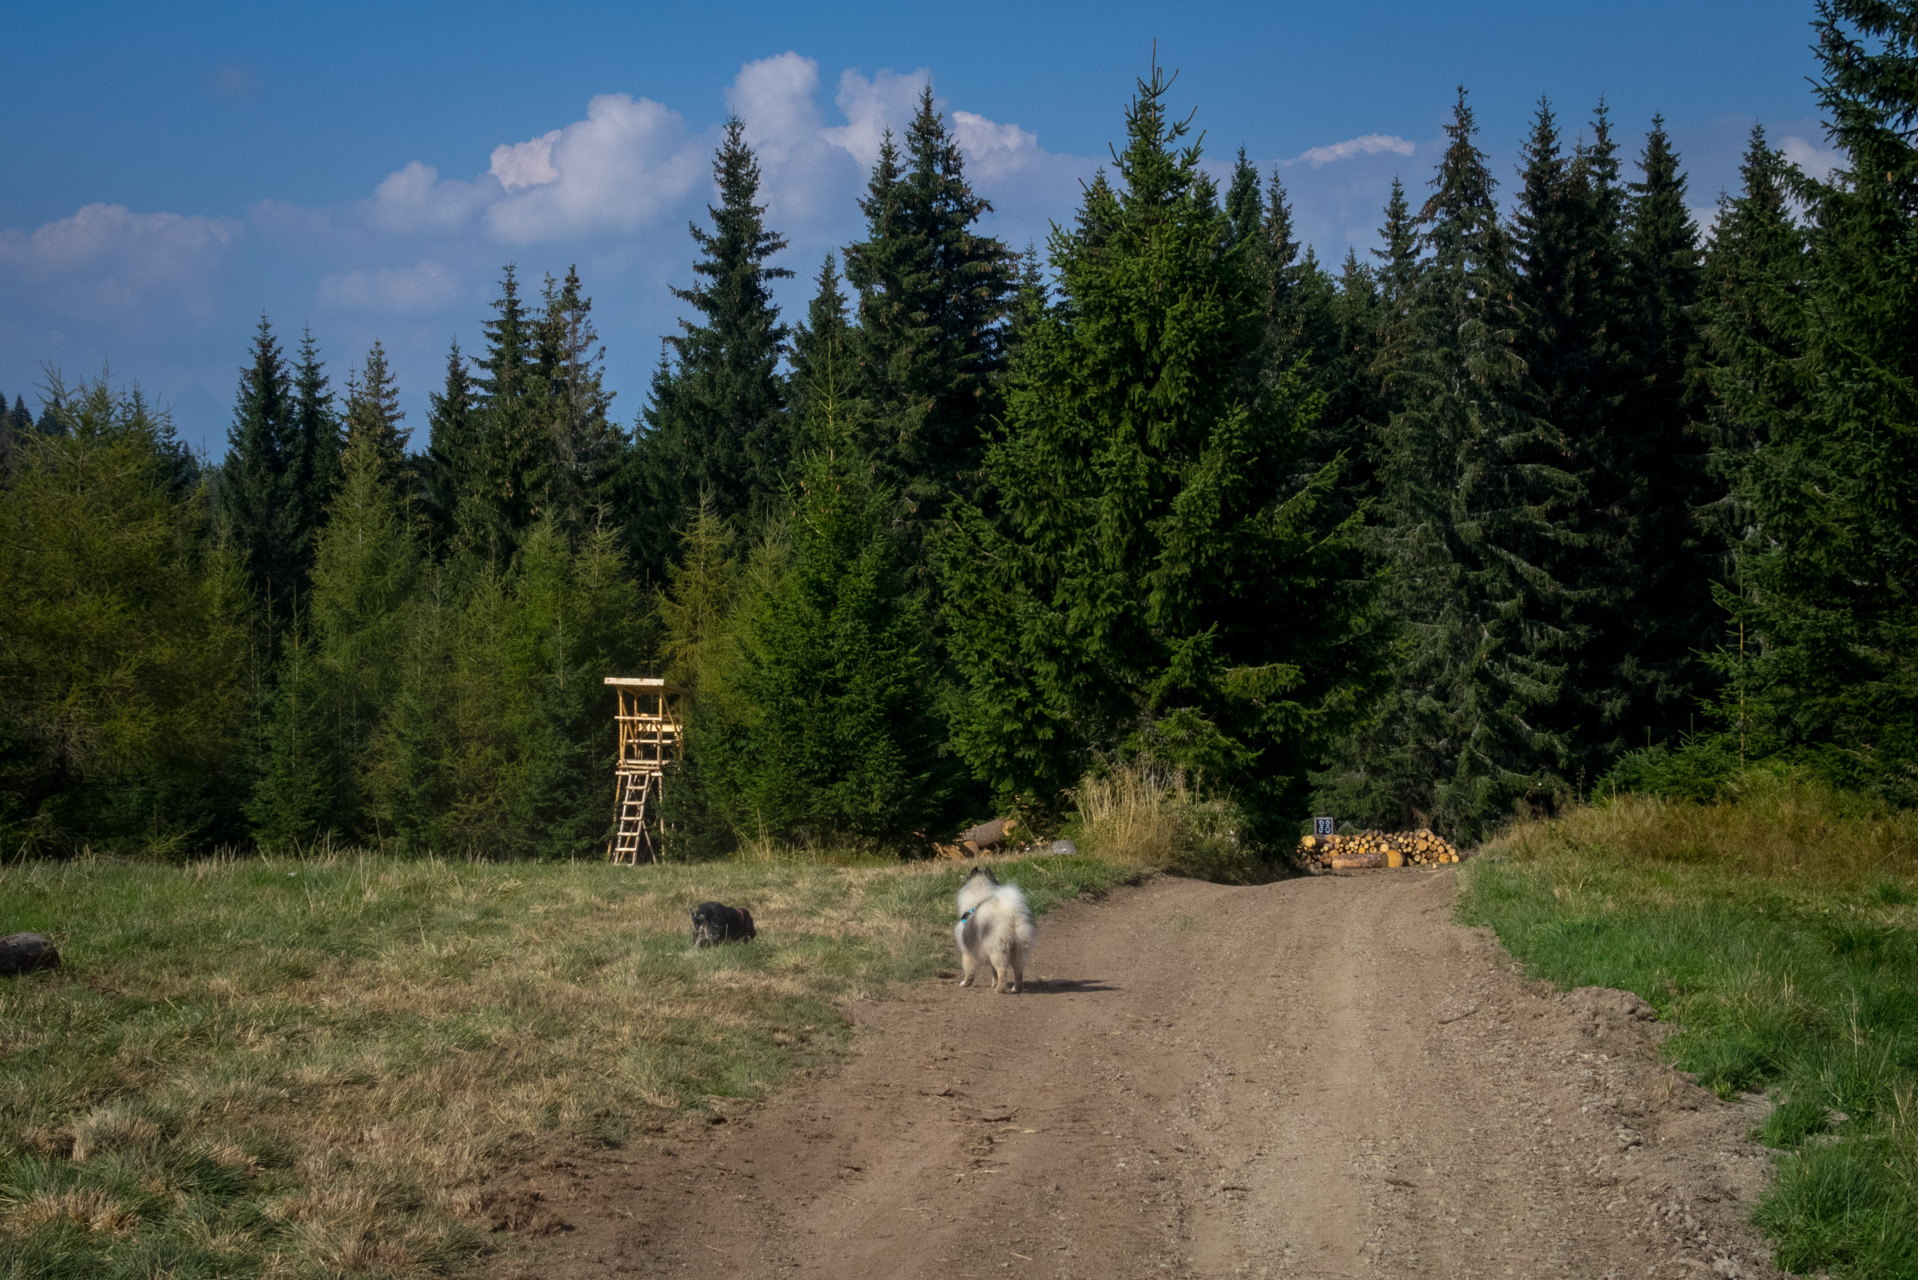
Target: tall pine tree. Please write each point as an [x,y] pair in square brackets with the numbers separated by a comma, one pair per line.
[1833,488]
[373,417]
[317,432]
[1475,505]
[715,425]
[263,486]
[822,362]
[449,469]
[933,298]
[1145,527]
[1668,555]
[513,455]
[572,399]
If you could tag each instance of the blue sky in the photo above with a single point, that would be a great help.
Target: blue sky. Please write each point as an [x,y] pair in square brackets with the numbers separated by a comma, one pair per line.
[171,172]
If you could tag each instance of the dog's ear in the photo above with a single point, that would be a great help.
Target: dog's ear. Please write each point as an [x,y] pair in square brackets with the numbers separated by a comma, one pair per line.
[695,913]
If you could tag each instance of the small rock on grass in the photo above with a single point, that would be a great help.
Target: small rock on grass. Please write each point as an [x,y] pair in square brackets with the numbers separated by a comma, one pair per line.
[25,952]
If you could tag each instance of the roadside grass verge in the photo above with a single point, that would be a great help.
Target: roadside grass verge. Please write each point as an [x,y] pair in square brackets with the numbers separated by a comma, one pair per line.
[284,1068]
[1779,931]
[1149,818]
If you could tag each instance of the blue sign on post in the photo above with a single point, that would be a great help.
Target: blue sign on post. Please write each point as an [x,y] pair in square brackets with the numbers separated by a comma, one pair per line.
[1323,826]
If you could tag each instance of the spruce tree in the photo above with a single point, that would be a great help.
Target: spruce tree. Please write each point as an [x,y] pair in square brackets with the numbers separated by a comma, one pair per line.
[1834,488]
[335,680]
[715,423]
[296,794]
[933,298]
[1753,317]
[1145,527]
[449,470]
[841,740]
[513,455]
[1666,552]
[1474,505]
[1572,287]
[1753,314]
[373,417]
[822,361]
[576,407]
[262,488]
[696,612]
[317,436]
[1244,204]
[123,638]
[1349,417]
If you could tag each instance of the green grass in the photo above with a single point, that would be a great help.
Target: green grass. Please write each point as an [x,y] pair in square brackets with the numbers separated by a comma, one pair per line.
[1790,963]
[306,1068]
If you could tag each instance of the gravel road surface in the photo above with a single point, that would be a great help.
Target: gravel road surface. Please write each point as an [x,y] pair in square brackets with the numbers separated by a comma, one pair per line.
[1322,1077]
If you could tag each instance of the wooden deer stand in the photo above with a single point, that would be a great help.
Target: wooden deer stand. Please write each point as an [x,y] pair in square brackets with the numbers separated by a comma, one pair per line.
[652,720]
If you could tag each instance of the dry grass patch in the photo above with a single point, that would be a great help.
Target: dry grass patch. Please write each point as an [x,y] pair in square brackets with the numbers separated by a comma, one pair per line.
[1776,827]
[1149,817]
[304,1068]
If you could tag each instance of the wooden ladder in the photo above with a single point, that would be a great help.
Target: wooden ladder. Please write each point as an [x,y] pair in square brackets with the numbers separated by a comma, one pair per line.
[630,836]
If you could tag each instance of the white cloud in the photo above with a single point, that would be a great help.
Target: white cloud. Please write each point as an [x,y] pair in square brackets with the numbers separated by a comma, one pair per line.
[1816,161]
[806,181]
[105,257]
[616,170]
[632,163]
[995,150]
[425,286]
[873,106]
[1370,144]
[774,99]
[525,164]
[417,199]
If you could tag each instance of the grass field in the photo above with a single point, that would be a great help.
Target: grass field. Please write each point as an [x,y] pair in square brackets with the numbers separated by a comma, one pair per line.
[1780,932]
[305,1068]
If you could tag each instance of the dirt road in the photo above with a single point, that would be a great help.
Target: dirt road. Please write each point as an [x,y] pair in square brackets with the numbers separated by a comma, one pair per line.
[1324,1077]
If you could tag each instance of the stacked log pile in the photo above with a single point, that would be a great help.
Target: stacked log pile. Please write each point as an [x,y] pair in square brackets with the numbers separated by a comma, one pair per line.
[1419,848]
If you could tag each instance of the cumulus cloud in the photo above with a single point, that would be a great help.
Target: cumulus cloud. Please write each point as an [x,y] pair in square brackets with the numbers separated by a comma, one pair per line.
[106,258]
[416,198]
[1816,161]
[525,164]
[425,286]
[1370,144]
[994,150]
[775,99]
[632,163]
[873,106]
[616,170]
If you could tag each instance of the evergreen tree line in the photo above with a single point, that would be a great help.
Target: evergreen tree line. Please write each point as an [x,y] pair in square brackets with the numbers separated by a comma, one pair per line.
[1529,503]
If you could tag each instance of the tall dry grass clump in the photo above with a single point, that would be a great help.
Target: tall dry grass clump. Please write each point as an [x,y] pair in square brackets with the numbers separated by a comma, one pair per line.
[1778,826]
[1143,815]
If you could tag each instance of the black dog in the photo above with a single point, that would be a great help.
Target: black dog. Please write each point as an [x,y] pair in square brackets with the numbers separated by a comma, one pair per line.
[714,923]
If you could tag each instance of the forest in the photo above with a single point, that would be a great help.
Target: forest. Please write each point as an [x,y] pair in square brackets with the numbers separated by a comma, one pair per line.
[1556,492]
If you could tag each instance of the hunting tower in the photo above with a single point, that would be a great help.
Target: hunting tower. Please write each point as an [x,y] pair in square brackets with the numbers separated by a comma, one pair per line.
[652,726]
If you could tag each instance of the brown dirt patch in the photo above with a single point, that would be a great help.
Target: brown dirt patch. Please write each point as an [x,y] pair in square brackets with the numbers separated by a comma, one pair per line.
[1324,1077]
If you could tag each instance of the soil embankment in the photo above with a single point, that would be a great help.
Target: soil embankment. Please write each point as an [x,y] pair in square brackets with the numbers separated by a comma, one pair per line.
[1318,1078]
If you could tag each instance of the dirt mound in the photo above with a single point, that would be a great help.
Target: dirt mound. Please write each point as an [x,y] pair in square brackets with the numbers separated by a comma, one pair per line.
[1324,1077]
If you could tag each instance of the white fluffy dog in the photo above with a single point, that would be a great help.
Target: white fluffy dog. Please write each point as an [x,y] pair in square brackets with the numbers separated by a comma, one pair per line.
[995,926]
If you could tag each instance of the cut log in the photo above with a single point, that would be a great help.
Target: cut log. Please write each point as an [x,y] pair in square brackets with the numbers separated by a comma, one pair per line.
[1357,861]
